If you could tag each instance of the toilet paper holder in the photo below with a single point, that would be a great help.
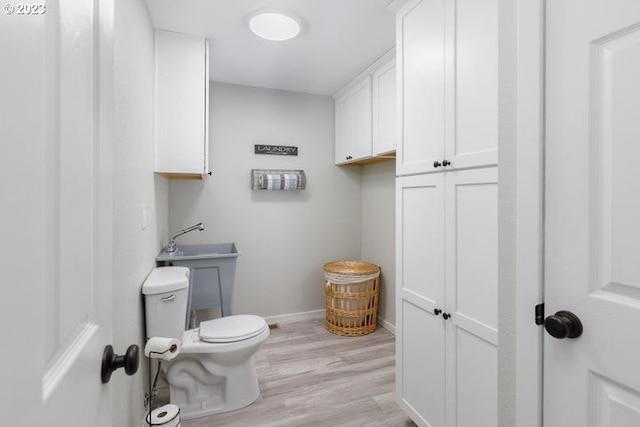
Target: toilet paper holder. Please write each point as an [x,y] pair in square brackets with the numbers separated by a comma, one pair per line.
[111,361]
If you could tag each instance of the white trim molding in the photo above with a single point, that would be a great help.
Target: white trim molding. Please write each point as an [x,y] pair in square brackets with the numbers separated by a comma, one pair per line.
[318,315]
[529,211]
[388,326]
[396,5]
[521,211]
[295,317]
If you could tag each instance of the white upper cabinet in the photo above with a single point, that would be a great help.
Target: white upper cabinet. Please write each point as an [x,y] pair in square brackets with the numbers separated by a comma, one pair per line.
[182,105]
[353,123]
[421,76]
[361,115]
[343,129]
[448,84]
[365,113]
[384,109]
[475,93]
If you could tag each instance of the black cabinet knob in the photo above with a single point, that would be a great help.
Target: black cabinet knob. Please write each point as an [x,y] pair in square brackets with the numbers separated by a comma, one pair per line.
[446,316]
[446,162]
[111,361]
[563,324]
[437,311]
[437,164]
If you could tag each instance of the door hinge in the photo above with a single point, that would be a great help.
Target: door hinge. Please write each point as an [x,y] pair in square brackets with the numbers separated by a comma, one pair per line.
[540,314]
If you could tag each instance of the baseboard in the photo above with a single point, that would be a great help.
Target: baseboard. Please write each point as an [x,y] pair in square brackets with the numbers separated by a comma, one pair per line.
[318,314]
[295,317]
[388,326]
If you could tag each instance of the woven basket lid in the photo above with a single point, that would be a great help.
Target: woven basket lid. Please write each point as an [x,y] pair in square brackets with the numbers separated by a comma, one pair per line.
[351,268]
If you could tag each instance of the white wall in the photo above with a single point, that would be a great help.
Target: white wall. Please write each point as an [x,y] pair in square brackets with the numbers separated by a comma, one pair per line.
[378,232]
[284,237]
[134,184]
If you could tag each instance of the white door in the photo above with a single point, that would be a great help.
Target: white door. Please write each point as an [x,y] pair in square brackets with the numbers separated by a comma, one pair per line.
[472,96]
[384,109]
[447,298]
[420,298]
[181,84]
[56,212]
[343,129]
[593,212]
[362,119]
[471,277]
[421,45]
[447,57]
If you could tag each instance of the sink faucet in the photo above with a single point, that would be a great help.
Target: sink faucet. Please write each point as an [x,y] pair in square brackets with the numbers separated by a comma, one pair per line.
[172,244]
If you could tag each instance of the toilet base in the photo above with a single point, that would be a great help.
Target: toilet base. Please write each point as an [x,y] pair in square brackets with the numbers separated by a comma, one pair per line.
[199,389]
[207,379]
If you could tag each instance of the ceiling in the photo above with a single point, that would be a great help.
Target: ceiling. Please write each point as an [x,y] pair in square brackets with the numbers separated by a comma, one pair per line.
[338,40]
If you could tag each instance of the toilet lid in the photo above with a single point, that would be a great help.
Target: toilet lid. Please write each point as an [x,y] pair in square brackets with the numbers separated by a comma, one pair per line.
[232,328]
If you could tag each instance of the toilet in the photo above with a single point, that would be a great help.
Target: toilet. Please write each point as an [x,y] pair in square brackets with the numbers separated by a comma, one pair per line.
[215,370]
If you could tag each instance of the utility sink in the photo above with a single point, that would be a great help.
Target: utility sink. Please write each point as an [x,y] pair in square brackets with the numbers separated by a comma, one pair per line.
[213,269]
[206,251]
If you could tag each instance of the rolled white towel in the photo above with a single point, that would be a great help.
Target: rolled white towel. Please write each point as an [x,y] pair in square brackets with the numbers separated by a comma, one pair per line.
[290,181]
[274,181]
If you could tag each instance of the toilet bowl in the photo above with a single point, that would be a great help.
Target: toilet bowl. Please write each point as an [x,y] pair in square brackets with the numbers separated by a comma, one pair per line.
[220,376]
[215,370]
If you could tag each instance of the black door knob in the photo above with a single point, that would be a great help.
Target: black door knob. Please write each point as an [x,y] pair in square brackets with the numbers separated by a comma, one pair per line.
[446,316]
[446,162]
[111,361]
[437,311]
[563,324]
[437,164]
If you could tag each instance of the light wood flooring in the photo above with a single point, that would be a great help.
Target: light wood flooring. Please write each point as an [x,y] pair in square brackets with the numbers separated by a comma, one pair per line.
[311,377]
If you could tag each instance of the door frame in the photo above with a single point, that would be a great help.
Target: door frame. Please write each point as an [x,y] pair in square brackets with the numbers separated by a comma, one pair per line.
[521,210]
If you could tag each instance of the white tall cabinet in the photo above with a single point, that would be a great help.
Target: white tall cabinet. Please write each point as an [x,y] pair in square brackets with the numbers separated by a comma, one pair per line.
[446,212]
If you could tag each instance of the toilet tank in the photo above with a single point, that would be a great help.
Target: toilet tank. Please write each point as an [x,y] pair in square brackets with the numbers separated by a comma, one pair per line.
[166,291]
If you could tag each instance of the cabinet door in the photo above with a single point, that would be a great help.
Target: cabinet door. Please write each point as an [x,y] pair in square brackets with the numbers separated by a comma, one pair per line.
[448,84]
[361,108]
[384,109]
[420,333]
[475,107]
[421,82]
[343,130]
[472,296]
[181,87]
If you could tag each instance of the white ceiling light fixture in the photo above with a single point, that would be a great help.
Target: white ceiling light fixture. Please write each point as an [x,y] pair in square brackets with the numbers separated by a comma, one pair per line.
[274,25]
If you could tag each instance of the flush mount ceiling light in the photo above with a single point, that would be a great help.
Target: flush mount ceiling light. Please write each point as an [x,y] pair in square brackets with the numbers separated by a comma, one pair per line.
[274,25]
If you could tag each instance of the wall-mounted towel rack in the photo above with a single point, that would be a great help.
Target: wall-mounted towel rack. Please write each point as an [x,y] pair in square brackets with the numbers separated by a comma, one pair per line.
[278,179]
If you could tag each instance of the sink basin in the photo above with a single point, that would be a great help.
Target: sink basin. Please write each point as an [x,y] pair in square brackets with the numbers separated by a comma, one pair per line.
[213,269]
[193,252]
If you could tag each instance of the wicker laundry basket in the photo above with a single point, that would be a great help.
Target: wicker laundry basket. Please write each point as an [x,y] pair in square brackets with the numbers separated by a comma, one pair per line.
[351,297]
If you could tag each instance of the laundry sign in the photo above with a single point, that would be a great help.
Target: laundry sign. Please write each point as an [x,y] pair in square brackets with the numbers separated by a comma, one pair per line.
[282,150]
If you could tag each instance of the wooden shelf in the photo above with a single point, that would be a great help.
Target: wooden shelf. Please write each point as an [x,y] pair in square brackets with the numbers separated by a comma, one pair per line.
[373,160]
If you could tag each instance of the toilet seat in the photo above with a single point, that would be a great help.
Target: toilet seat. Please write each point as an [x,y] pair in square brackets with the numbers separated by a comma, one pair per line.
[231,328]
